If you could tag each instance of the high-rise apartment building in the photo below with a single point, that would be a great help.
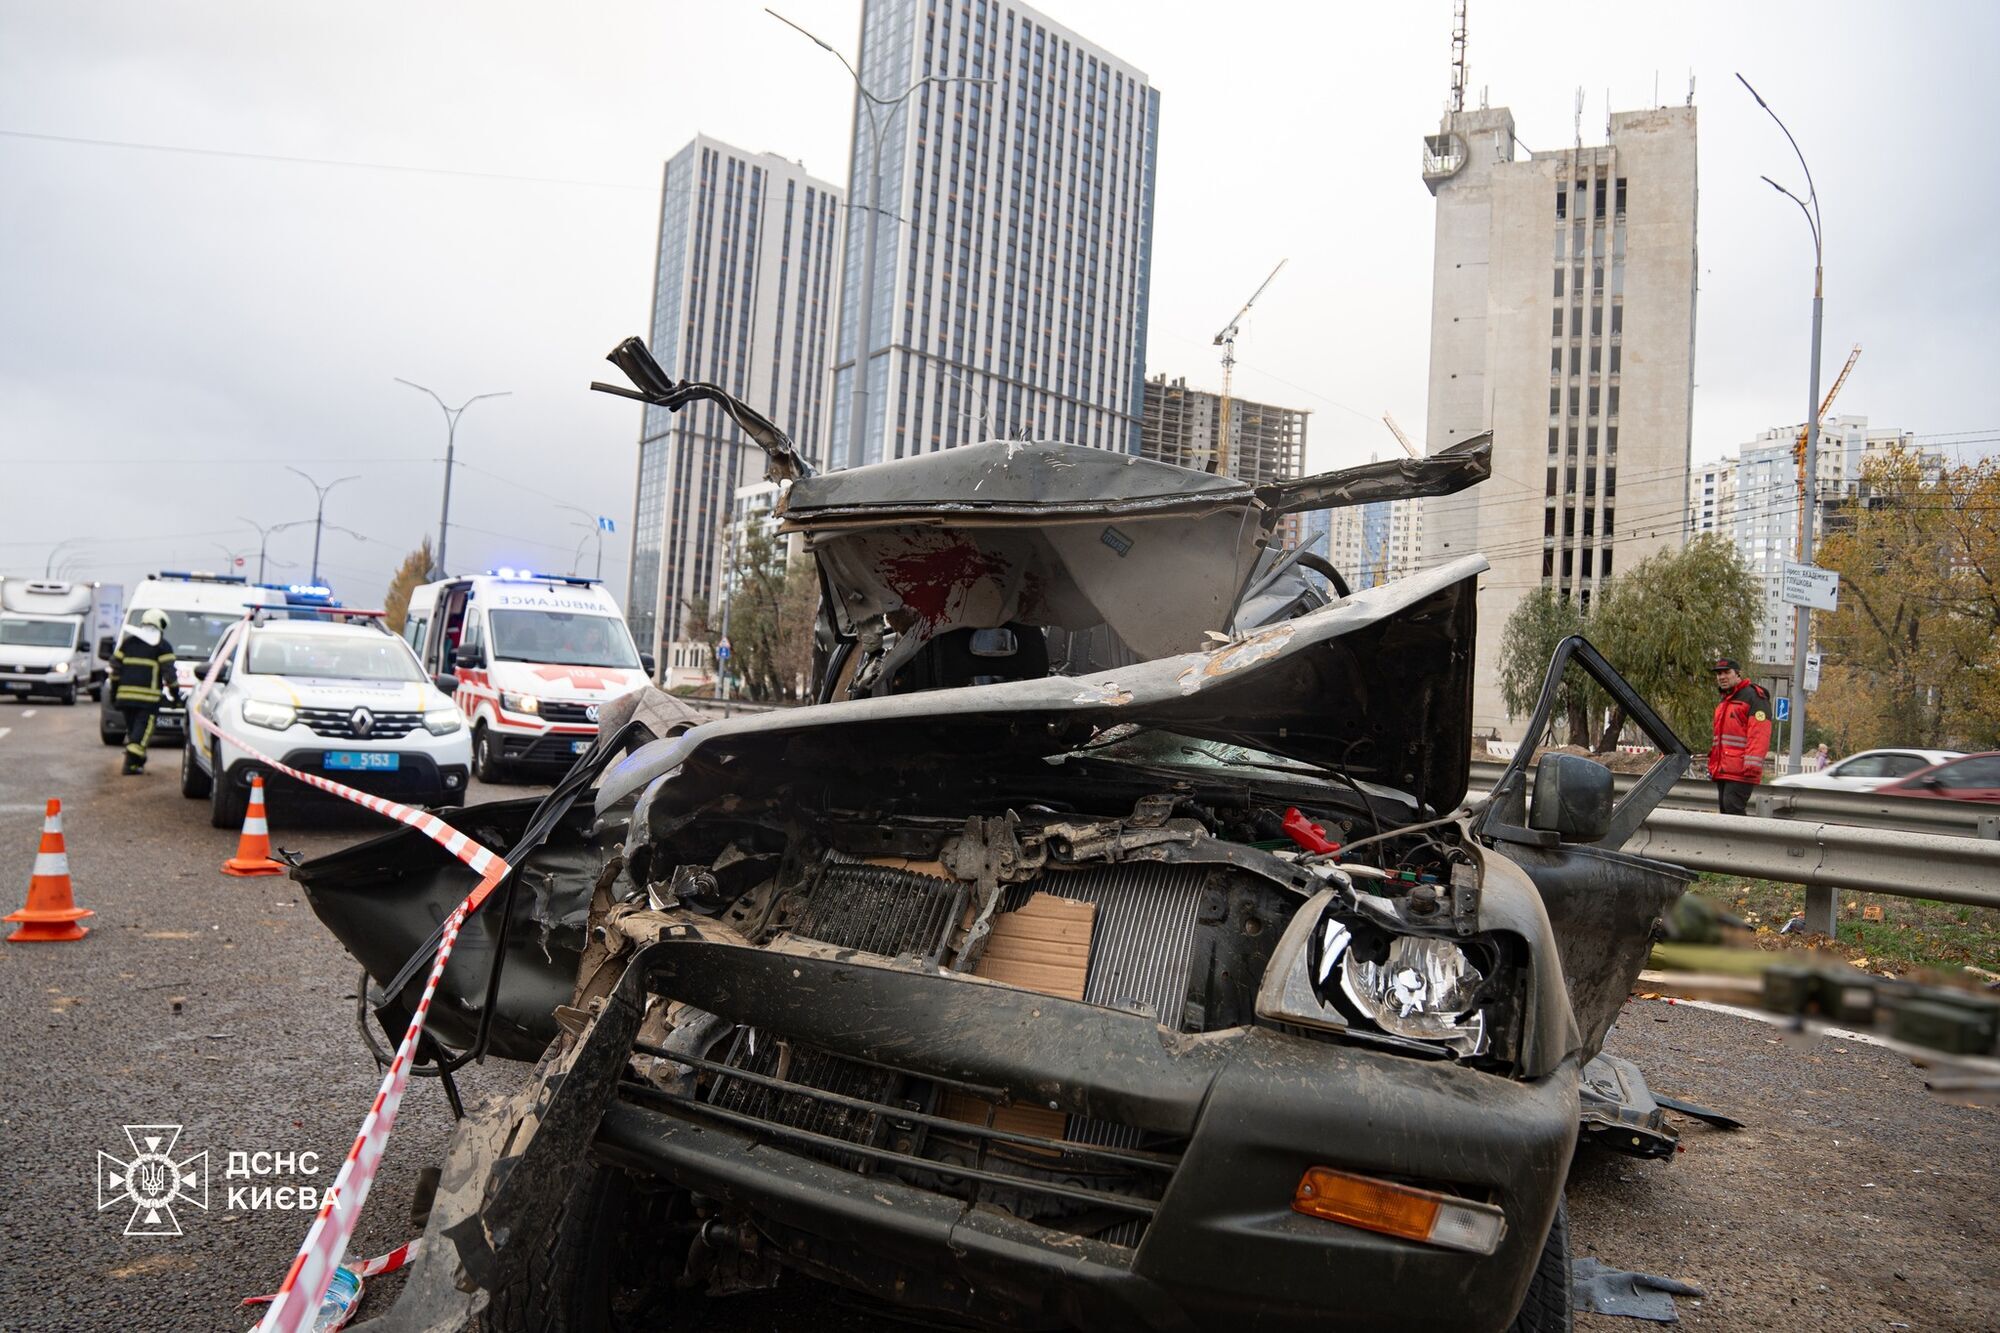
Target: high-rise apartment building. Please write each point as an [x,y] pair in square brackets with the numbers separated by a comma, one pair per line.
[1562,319]
[745,296]
[1014,238]
[1752,500]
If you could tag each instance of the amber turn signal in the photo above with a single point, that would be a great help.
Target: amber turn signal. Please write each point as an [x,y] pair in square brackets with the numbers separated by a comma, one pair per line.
[1399,1210]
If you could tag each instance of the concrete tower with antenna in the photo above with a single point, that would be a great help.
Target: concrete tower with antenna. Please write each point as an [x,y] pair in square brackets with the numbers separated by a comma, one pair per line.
[1562,319]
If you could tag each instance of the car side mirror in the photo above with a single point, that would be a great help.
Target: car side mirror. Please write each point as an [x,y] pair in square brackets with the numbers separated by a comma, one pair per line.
[1572,798]
[649,663]
[105,647]
[446,681]
[1931,780]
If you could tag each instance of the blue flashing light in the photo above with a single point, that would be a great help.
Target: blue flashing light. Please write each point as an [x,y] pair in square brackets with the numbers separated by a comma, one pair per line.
[200,576]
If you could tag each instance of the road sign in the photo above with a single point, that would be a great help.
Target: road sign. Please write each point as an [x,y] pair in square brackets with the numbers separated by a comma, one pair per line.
[1809,585]
[1812,672]
[722,651]
[1783,708]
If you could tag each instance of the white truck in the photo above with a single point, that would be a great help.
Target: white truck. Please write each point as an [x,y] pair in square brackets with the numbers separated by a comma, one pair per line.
[49,637]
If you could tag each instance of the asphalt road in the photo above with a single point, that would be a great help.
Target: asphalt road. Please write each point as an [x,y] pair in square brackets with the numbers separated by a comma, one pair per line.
[1853,1200]
[261,1053]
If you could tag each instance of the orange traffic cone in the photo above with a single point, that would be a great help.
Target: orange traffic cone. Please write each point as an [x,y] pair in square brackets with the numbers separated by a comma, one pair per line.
[51,913]
[253,849]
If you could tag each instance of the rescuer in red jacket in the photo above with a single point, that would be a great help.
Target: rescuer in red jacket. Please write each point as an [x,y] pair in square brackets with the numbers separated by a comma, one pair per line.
[1742,736]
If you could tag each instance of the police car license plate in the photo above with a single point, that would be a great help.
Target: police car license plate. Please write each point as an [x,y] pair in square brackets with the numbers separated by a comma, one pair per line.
[357,760]
[578,747]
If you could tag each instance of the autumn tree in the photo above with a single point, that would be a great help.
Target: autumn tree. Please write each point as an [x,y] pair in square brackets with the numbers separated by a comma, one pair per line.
[1913,653]
[412,574]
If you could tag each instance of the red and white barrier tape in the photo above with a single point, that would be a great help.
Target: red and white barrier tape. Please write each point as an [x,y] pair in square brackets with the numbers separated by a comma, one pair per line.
[298,1296]
[367,1268]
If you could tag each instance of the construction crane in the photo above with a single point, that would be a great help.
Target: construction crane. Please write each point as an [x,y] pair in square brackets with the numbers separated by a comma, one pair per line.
[1219,461]
[1401,438]
[1799,445]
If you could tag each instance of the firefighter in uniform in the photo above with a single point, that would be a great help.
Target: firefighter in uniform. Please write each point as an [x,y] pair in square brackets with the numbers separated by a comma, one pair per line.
[142,676]
[1742,735]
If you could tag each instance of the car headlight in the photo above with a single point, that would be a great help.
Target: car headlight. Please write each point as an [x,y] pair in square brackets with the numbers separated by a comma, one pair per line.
[1412,986]
[59,669]
[442,721]
[1341,969]
[519,703]
[275,716]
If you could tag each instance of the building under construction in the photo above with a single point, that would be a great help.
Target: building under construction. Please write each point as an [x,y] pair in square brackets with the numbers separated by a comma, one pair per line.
[1266,443]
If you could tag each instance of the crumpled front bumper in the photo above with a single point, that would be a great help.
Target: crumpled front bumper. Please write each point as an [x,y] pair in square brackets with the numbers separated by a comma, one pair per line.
[1223,1249]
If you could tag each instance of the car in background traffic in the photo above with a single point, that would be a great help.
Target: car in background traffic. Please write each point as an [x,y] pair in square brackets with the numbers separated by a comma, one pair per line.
[1970,777]
[339,696]
[1868,770]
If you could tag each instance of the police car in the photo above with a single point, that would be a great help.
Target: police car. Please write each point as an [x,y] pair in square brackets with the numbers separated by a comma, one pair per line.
[328,692]
[531,659]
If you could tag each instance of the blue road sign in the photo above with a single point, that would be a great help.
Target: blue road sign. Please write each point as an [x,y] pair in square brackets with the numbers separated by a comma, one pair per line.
[1784,709]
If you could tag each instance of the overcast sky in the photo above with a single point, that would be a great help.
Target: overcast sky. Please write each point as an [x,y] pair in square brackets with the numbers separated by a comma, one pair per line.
[177,327]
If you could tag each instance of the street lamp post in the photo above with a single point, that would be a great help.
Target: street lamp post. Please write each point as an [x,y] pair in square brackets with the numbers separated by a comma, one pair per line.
[451,416]
[264,532]
[597,526]
[876,106]
[319,518]
[1819,901]
[48,569]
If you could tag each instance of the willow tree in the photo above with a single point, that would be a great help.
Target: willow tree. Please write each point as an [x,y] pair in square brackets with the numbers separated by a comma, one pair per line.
[1664,621]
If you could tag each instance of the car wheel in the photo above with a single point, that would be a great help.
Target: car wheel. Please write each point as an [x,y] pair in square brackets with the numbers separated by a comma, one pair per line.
[107,733]
[227,801]
[1547,1309]
[487,765]
[68,697]
[600,1268]
[195,784]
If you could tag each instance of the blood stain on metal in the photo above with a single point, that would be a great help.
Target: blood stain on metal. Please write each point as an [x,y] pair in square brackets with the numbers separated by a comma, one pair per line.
[926,580]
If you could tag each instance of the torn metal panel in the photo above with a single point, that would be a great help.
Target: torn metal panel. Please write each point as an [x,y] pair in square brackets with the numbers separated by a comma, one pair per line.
[1378,684]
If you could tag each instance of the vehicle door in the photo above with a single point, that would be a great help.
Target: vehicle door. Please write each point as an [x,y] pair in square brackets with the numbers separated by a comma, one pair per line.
[1864,772]
[1974,778]
[226,670]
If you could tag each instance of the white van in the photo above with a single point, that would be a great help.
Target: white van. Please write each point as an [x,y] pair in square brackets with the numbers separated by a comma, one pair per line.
[46,639]
[199,607]
[530,659]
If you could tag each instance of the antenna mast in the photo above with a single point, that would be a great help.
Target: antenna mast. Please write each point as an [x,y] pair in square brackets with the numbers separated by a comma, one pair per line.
[1458,56]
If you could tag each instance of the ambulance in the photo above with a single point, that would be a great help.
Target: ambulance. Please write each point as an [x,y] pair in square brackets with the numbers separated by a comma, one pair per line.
[529,658]
[199,606]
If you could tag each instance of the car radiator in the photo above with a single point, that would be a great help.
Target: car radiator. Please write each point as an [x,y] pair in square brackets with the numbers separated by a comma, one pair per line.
[1094,1175]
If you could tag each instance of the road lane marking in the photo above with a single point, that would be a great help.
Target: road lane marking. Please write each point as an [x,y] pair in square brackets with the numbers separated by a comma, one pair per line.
[4,731]
[27,713]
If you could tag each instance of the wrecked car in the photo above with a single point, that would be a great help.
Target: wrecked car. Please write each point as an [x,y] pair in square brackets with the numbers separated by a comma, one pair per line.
[1112,945]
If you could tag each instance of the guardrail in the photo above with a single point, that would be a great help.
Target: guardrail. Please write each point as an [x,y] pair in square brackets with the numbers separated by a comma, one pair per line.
[1963,819]
[1826,856]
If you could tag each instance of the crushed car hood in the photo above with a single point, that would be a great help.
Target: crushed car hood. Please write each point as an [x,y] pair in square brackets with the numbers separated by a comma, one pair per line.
[1378,685]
